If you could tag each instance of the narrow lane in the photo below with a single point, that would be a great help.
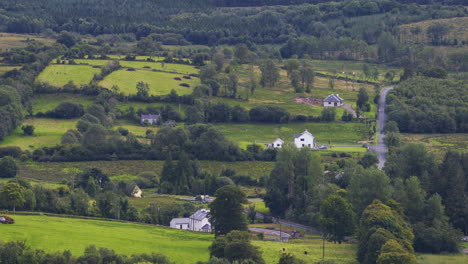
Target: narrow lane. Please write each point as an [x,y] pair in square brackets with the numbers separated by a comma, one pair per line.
[380,148]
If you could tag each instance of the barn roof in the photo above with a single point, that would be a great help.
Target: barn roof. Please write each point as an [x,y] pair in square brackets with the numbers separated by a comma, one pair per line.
[200,214]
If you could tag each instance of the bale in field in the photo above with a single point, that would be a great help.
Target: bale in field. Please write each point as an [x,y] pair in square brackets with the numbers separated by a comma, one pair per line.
[177,79]
[184,85]
[131,69]
[187,77]
[146,67]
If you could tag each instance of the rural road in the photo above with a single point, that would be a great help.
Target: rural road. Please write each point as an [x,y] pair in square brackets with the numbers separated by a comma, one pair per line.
[270,232]
[381,149]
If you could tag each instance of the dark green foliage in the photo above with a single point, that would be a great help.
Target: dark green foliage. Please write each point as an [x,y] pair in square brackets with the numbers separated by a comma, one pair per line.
[19,252]
[226,211]
[428,105]
[268,114]
[369,159]
[13,195]
[378,225]
[8,167]
[67,110]
[270,74]
[290,259]
[337,218]
[328,114]
[235,246]
[28,130]
[10,110]
[292,181]
[67,39]
[363,98]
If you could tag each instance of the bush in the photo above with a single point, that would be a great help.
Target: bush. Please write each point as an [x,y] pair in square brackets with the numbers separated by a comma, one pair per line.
[269,114]
[15,152]
[28,130]
[8,167]
[67,110]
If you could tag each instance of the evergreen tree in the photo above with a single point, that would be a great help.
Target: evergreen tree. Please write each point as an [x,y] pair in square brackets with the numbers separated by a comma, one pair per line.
[227,212]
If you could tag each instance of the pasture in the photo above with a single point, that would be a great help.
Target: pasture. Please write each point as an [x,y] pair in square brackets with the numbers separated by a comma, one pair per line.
[182,247]
[417,32]
[60,74]
[48,233]
[439,144]
[325,133]
[57,172]
[160,83]
[12,40]
[48,132]
[162,66]
[48,102]
[5,68]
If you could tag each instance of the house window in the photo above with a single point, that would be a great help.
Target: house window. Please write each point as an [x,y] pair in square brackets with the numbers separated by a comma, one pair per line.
[180,226]
[277,145]
[302,139]
[309,145]
[303,145]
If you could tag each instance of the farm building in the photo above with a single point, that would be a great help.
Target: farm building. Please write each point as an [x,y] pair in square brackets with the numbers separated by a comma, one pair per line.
[304,140]
[198,221]
[277,143]
[333,100]
[150,119]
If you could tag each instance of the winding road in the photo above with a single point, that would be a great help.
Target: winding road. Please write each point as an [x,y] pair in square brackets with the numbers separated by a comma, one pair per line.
[380,148]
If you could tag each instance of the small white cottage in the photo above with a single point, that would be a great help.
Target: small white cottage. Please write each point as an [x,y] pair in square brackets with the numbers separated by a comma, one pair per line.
[304,140]
[333,100]
[277,143]
[198,221]
[150,119]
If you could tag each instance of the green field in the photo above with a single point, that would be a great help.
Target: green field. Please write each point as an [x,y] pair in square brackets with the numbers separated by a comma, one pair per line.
[47,102]
[47,233]
[4,69]
[48,132]
[58,234]
[442,259]
[58,75]
[12,40]
[325,133]
[160,83]
[170,67]
[57,172]
[439,144]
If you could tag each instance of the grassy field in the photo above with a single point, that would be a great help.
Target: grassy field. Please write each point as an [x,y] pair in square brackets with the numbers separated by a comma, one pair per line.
[439,144]
[57,172]
[283,93]
[442,259]
[170,67]
[48,233]
[160,83]
[325,133]
[58,75]
[47,102]
[4,69]
[457,30]
[11,40]
[48,132]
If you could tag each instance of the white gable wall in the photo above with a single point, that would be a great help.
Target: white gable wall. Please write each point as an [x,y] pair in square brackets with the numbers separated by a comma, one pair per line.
[306,140]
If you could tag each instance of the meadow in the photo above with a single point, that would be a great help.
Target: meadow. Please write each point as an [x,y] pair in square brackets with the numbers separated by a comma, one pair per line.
[57,172]
[12,40]
[48,132]
[439,144]
[325,133]
[47,233]
[7,68]
[160,83]
[48,102]
[183,247]
[60,74]
[162,66]
[457,30]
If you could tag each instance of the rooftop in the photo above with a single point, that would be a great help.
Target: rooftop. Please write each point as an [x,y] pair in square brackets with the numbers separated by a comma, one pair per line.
[200,214]
[333,98]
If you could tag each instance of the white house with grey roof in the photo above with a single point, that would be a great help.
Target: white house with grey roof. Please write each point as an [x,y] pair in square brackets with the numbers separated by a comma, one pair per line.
[150,119]
[198,221]
[304,140]
[333,100]
[277,143]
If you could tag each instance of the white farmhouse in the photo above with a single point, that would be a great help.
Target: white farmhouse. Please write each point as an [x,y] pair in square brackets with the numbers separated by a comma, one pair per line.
[333,100]
[150,119]
[198,221]
[304,140]
[277,143]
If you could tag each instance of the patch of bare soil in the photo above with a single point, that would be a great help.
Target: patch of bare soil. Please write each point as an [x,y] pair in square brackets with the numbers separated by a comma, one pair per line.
[312,101]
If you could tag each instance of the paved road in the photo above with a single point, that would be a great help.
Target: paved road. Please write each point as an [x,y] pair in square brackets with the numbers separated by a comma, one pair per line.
[270,232]
[381,149]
